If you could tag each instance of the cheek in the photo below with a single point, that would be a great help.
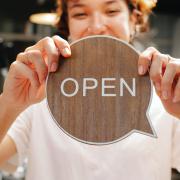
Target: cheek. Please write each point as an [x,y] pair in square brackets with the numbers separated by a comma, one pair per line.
[121,28]
[77,28]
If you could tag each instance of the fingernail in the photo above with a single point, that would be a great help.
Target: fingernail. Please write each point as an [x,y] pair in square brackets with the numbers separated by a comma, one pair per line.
[141,70]
[165,95]
[66,52]
[175,99]
[158,86]
[53,67]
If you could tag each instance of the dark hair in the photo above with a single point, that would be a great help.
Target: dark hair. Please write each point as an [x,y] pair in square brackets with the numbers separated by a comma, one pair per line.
[62,24]
[142,6]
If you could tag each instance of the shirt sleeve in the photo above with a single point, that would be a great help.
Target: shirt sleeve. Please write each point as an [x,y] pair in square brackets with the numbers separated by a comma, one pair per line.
[176,144]
[20,133]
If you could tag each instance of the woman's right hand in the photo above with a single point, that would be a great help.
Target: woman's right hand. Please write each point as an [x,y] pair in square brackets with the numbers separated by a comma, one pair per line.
[25,82]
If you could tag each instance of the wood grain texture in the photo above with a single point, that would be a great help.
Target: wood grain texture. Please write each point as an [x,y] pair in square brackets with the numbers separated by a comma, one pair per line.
[93,118]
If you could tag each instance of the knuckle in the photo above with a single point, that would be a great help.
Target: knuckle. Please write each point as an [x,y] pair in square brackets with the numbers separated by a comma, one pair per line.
[47,39]
[31,55]
[172,65]
[36,58]
[156,56]
[62,41]
[57,37]
[34,54]
[151,48]
[175,63]
[19,56]
[28,48]
[13,65]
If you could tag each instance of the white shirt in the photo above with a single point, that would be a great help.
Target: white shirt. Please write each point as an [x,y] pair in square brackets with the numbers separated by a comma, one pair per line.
[53,155]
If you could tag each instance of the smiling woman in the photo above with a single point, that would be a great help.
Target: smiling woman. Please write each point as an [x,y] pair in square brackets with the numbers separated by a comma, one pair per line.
[141,8]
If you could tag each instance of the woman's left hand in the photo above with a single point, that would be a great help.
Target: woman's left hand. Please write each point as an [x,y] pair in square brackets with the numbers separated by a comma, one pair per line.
[164,72]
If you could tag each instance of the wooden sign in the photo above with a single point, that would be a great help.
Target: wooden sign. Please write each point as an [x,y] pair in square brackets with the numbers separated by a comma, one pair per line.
[97,96]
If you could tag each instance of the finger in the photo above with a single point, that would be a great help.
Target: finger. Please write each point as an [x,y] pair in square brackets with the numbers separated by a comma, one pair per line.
[20,70]
[62,45]
[167,80]
[177,92]
[34,57]
[145,59]
[156,70]
[49,49]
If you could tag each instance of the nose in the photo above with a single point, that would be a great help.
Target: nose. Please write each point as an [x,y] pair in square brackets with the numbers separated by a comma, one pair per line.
[97,25]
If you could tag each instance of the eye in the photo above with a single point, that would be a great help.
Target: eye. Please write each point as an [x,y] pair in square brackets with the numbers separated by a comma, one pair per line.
[113,12]
[80,15]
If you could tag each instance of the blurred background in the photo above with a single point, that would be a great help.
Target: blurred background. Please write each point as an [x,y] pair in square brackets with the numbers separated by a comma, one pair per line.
[19,29]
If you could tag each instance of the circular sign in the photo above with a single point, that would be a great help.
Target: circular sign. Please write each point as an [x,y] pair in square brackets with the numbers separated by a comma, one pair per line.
[96,96]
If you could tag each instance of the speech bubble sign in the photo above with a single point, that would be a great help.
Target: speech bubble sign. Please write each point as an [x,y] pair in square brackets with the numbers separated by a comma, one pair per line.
[97,96]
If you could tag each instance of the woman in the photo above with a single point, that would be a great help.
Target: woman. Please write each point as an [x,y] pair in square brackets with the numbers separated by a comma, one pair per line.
[54,155]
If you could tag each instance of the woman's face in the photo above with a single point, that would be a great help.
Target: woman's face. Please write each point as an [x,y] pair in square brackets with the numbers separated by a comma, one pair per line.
[99,17]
